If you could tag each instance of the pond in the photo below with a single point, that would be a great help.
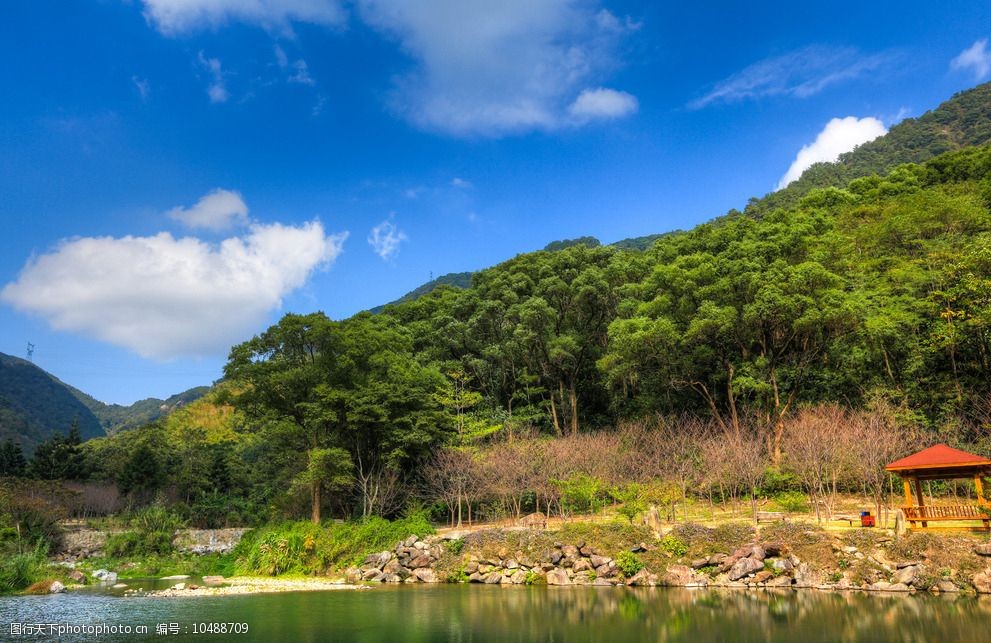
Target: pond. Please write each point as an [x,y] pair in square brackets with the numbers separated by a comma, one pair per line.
[493,613]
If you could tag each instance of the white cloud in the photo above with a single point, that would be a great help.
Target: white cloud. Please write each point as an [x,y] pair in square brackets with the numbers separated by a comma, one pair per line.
[218,210]
[164,297]
[217,89]
[172,17]
[460,183]
[143,87]
[301,74]
[840,135]
[801,73]
[603,103]
[975,58]
[385,239]
[485,68]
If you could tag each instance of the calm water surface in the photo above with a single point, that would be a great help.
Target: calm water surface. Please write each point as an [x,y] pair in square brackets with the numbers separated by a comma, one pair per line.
[524,614]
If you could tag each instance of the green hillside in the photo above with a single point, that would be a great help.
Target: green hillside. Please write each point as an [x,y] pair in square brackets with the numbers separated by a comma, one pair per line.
[34,405]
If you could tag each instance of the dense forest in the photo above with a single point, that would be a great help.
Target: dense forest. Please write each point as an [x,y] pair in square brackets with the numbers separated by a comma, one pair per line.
[720,362]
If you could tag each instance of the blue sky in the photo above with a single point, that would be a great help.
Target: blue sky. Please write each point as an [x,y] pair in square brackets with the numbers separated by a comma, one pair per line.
[176,174]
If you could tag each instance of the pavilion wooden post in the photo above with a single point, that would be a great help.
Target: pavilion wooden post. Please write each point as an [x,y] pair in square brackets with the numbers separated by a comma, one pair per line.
[907,483]
[981,502]
[922,500]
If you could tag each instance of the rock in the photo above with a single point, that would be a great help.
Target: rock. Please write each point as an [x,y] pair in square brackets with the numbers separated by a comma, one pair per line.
[422,546]
[639,549]
[580,579]
[377,578]
[477,577]
[849,549]
[602,582]
[898,587]
[123,585]
[699,563]
[518,578]
[947,586]
[585,550]
[471,567]
[582,565]
[879,586]
[905,575]
[420,561]
[763,576]
[56,587]
[558,577]
[512,564]
[351,576]
[910,563]
[805,577]
[782,565]
[179,586]
[77,576]
[369,574]
[606,571]
[412,540]
[493,579]
[717,559]
[392,578]
[774,549]
[982,582]
[599,561]
[556,557]
[176,577]
[569,551]
[425,575]
[745,567]
[983,550]
[392,566]
[779,581]
[215,580]
[678,576]
[757,552]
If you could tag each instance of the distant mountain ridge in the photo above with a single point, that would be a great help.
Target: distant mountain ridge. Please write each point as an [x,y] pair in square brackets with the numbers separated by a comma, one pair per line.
[34,405]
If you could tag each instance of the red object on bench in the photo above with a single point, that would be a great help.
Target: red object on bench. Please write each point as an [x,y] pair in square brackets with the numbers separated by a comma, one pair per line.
[867,521]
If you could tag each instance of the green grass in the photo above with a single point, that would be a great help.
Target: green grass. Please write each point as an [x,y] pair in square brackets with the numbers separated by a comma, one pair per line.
[20,570]
[305,548]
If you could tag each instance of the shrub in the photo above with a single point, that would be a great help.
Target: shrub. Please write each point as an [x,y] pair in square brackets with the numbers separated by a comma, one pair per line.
[628,563]
[19,570]
[151,532]
[459,575]
[581,493]
[792,501]
[674,545]
[455,546]
[533,578]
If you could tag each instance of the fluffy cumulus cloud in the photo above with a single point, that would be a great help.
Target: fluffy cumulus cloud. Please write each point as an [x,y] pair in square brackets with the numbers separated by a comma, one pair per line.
[165,297]
[840,135]
[486,68]
[385,239]
[603,103]
[173,17]
[801,73]
[976,59]
[219,210]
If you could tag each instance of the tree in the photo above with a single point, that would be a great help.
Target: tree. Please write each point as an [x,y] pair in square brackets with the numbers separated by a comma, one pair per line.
[12,462]
[326,470]
[141,473]
[59,458]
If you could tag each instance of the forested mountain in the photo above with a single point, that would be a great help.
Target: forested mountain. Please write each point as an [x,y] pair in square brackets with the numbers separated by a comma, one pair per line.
[34,405]
[872,296]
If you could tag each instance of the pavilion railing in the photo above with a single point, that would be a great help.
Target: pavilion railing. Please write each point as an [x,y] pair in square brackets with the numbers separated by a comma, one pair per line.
[945,512]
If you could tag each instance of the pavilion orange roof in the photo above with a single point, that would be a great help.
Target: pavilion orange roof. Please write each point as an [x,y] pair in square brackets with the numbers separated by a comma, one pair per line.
[937,456]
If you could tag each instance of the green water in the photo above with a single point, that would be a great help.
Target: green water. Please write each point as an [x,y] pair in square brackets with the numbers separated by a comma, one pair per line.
[491,613]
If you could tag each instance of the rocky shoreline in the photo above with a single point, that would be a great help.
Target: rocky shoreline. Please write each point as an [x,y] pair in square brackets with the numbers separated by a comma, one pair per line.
[755,565]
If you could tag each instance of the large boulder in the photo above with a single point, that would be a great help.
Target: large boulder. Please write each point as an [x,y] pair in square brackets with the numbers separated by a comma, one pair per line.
[425,575]
[982,582]
[905,575]
[494,578]
[422,560]
[518,578]
[744,567]
[56,587]
[599,561]
[558,577]
[983,550]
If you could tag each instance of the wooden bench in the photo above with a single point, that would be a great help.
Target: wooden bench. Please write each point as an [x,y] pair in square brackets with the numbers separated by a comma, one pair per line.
[940,513]
[845,518]
[771,516]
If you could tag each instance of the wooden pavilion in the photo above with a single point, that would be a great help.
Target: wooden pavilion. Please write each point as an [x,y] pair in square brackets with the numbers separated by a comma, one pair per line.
[941,462]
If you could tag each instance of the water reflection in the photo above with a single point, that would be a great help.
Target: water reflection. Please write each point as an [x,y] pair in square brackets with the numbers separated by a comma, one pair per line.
[494,613]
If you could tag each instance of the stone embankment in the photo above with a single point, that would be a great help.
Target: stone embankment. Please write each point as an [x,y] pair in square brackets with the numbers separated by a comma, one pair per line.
[755,565]
[83,543]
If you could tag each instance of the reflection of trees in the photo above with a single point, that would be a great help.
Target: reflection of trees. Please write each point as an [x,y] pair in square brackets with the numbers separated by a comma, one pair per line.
[670,614]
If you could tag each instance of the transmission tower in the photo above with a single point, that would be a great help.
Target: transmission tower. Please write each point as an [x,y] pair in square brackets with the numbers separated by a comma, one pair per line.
[30,352]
